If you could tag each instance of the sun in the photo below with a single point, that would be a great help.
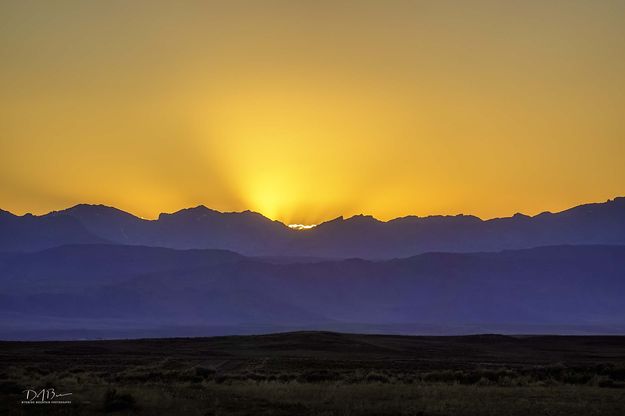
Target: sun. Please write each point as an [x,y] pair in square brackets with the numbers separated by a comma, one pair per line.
[301,227]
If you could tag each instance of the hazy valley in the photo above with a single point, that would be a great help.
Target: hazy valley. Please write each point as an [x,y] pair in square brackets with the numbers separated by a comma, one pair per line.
[94,271]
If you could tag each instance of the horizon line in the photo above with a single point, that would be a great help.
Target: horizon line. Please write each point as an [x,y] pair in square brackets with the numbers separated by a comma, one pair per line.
[300,227]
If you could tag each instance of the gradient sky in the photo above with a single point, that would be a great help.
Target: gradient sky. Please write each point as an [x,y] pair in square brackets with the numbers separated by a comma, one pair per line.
[306,110]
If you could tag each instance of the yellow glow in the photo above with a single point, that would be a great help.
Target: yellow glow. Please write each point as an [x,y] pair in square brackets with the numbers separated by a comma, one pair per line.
[305,111]
[301,227]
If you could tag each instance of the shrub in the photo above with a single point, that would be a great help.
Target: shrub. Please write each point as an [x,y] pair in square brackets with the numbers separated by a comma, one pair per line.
[573,377]
[255,377]
[444,376]
[603,381]
[319,376]
[616,373]
[285,378]
[483,382]
[204,372]
[114,401]
[377,378]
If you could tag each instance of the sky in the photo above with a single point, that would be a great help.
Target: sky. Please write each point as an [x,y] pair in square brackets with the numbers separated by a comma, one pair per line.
[307,110]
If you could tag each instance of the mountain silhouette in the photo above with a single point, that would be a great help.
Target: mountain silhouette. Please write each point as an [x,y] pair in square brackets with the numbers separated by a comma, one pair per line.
[199,227]
[252,234]
[104,285]
[31,233]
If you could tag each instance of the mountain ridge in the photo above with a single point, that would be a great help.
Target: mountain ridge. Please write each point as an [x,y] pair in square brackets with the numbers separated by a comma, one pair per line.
[250,233]
[557,285]
[616,199]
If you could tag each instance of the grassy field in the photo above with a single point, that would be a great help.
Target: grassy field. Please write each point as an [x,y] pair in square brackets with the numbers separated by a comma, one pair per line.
[320,373]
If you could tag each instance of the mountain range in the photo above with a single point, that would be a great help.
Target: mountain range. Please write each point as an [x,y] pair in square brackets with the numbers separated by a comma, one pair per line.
[97,271]
[110,286]
[361,236]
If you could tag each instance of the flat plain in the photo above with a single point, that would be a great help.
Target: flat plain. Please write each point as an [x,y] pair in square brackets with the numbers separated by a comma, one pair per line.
[320,373]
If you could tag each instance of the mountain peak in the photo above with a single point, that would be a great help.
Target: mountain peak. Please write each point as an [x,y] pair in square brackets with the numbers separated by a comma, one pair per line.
[248,213]
[361,235]
[94,207]
[4,213]
[90,206]
[84,211]
[199,208]
[193,212]
[363,219]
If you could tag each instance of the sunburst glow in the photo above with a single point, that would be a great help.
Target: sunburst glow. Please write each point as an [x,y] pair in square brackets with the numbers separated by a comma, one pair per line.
[305,111]
[302,226]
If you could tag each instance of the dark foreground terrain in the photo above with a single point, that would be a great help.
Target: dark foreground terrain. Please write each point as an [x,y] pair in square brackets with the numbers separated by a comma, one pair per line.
[320,373]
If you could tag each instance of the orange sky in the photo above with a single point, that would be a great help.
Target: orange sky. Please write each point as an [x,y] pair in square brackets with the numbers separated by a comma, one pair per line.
[306,110]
